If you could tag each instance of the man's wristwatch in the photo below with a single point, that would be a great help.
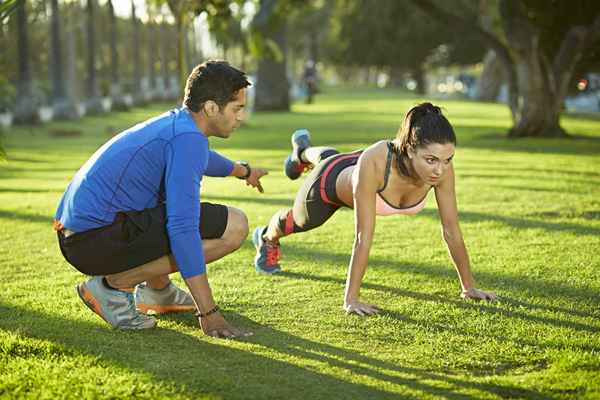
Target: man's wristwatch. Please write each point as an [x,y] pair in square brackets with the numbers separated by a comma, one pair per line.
[248,170]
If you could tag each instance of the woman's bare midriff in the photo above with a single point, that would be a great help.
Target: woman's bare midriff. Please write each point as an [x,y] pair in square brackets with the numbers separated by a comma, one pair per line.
[343,186]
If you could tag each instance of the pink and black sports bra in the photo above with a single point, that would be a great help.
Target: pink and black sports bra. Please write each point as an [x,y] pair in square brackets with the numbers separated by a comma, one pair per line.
[382,206]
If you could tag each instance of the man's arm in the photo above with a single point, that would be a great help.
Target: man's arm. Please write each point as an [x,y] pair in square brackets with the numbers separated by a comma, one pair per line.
[220,166]
[186,158]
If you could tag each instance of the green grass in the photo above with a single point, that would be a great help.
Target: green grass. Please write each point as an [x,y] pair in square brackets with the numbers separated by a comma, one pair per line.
[530,214]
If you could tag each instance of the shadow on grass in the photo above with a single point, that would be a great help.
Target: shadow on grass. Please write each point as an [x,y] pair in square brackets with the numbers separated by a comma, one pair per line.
[260,199]
[194,365]
[171,356]
[522,223]
[15,215]
[544,289]
[527,172]
[21,190]
[527,188]
[523,178]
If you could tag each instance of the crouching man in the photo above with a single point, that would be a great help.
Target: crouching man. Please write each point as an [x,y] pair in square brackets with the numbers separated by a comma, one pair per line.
[132,214]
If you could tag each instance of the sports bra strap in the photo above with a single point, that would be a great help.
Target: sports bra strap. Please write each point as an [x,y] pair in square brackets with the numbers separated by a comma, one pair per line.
[388,166]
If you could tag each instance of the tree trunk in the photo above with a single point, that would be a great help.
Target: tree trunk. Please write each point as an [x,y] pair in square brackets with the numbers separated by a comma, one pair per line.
[181,65]
[152,30]
[26,105]
[116,95]
[314,46]
[419,76]
[165,60]
[537,114]
[62,104]
[488,86]
[93,103]
[272,86]
[396,77]
[136,77]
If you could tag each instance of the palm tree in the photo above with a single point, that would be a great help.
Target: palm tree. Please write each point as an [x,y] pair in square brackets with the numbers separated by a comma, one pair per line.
[63,105]
[25,108]
[115,78]
[137,61]
[94,102]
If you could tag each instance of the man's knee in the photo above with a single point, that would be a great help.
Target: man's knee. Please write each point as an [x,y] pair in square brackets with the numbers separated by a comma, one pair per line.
[237,228]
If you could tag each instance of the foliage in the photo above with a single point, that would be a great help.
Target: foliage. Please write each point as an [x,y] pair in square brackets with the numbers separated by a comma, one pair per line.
[393,34]
[7,7]
[530,215]
[555,18]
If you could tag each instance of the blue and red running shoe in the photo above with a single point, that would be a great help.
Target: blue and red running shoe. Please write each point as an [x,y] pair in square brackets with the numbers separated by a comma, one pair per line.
[293,165]
[268,252]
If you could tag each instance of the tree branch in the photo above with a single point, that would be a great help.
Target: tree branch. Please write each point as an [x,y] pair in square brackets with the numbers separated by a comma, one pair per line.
[446,17]
[577,39]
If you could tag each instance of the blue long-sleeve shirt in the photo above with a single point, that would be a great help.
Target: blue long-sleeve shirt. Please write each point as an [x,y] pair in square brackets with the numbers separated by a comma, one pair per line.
[160,160]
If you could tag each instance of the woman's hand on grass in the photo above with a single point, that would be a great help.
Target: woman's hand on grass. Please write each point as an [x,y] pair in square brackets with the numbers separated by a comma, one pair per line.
[362,309]
[215,325]
[476,294]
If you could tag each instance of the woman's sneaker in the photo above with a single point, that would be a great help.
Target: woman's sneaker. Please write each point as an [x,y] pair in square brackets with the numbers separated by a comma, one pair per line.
[293,165]
[268,253]
[159,301]
[116,307]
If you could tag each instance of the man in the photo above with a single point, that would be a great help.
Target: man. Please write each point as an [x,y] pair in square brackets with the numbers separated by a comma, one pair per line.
[132,213]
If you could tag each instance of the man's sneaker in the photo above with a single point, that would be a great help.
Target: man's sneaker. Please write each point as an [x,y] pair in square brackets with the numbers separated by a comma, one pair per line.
[293,165]
[268,253]
[159,301]
[114,306]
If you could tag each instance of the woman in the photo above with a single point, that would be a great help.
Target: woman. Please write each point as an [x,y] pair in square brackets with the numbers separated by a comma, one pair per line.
[387,178]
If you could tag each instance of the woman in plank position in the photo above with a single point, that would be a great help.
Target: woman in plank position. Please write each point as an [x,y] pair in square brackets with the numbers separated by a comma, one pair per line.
[387,178]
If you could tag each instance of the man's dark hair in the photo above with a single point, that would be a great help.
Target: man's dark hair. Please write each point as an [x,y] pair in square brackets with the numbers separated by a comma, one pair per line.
[213,80]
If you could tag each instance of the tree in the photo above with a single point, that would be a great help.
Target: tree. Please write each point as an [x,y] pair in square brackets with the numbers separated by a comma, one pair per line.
[400,48]
[7,7]
[25,108]
[272,86]
[62,103]
[94,102]
[115,76]
[152,31]
[537,68]
[137,57]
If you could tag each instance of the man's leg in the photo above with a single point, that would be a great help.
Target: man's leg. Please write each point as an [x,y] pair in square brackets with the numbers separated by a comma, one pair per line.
[118,307]
[156,272]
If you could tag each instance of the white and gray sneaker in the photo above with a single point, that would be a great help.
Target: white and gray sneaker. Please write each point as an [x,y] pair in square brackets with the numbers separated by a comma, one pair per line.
[159,301]
[117,307]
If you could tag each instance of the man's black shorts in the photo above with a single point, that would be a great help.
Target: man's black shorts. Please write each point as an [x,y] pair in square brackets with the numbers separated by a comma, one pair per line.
[134,239]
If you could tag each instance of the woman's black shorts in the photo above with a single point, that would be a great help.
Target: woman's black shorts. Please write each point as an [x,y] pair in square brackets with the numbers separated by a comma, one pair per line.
[134,239]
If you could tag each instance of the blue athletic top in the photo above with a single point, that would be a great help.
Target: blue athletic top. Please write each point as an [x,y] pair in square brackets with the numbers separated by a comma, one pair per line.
[160,160]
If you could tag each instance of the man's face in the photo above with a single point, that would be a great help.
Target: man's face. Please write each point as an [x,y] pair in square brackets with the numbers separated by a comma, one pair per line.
[231,116]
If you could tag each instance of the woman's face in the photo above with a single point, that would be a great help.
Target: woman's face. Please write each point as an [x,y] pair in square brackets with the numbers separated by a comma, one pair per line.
[431,162]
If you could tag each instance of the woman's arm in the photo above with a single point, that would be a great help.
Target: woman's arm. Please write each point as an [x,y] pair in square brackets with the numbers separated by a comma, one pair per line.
[364,190]
[446,199]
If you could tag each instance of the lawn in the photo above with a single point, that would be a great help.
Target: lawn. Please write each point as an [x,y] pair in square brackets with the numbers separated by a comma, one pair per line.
[530,214]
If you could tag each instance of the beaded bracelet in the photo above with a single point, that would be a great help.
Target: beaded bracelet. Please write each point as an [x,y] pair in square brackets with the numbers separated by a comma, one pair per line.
[198,314]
